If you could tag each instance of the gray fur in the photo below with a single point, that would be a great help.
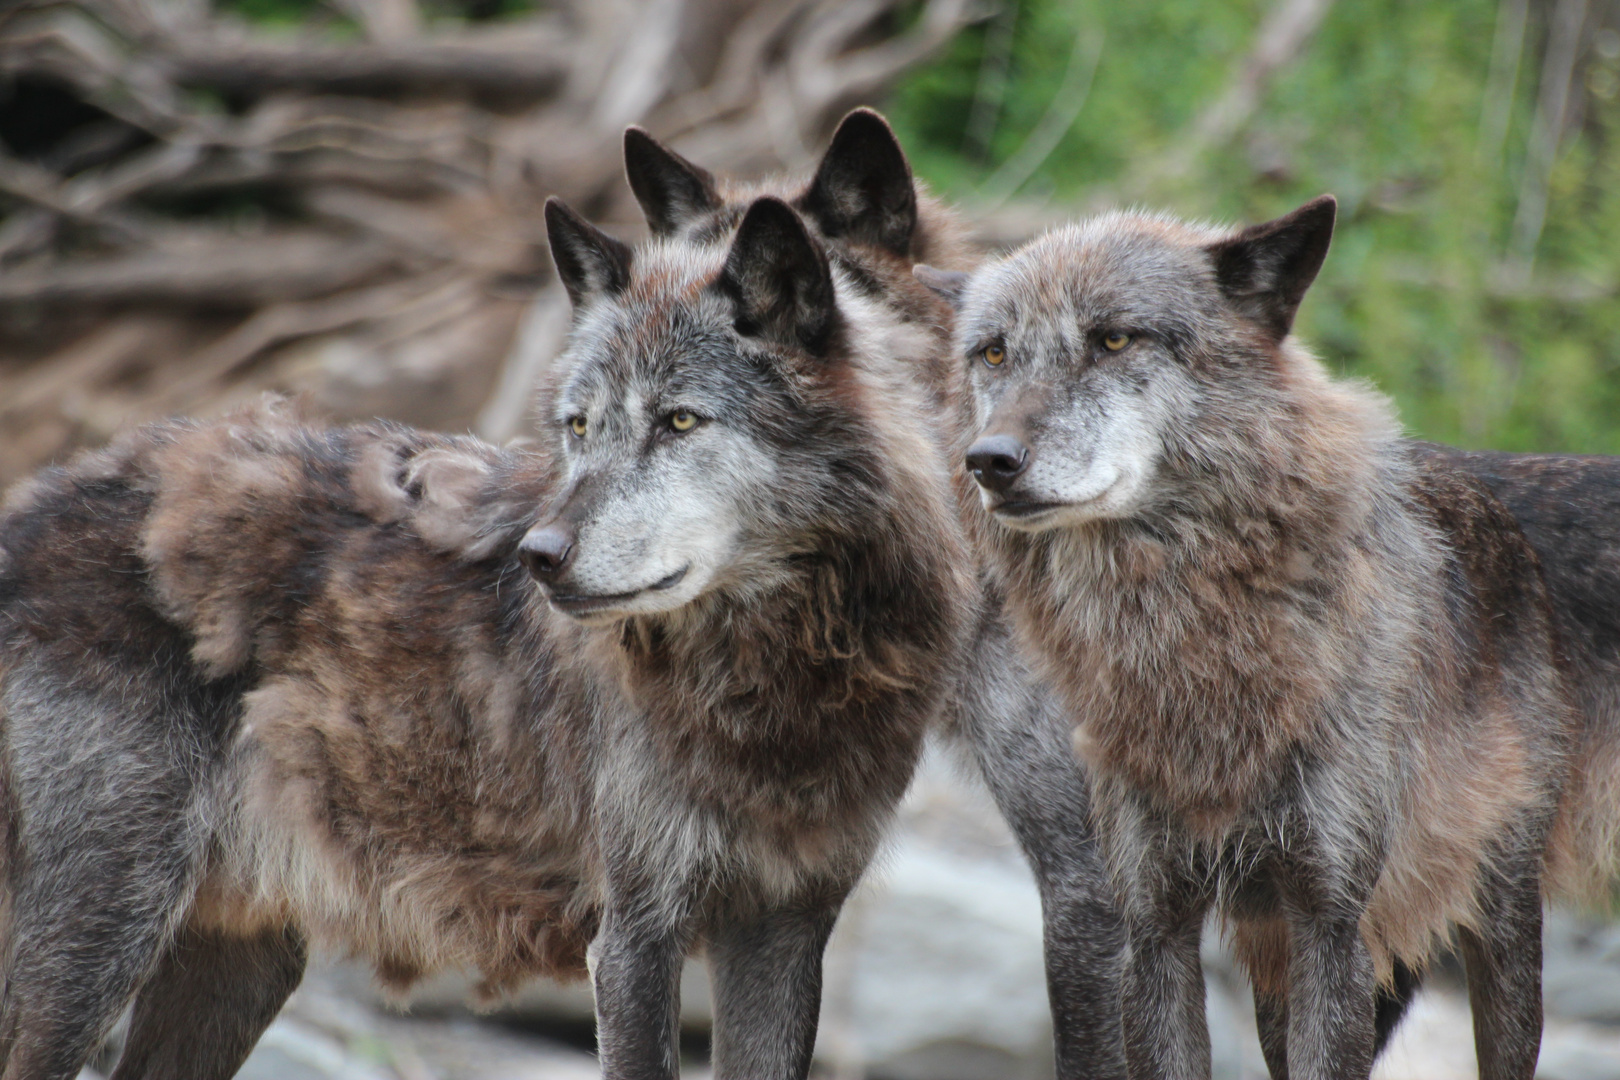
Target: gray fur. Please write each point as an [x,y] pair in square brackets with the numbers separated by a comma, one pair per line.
[266,682]
[1314,666]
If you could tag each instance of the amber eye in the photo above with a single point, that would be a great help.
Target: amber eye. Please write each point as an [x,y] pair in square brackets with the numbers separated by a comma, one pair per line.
[994,355]
[1116,341]
[577,426]
[683,421]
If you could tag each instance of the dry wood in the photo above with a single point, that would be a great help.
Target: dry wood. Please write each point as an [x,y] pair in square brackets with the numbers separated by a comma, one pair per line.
[228,208]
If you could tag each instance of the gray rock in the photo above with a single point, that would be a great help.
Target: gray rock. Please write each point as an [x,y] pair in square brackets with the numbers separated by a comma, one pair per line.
[1581,968]
[1572,1059]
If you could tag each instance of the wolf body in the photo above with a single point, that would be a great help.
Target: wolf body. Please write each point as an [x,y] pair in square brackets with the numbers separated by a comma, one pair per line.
[264,684]
[1002,720]
[1319,679]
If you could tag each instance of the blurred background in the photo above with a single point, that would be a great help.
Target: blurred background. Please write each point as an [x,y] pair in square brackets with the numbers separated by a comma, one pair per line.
[204,199]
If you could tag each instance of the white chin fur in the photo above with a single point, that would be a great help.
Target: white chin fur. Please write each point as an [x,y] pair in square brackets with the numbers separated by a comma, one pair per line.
[1114,496]
[646,602]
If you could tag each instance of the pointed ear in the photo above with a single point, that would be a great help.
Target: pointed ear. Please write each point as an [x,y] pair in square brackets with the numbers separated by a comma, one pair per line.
[863,189]
[947,283]
[589,261]
[1265,269]
[671,190]
[778,277]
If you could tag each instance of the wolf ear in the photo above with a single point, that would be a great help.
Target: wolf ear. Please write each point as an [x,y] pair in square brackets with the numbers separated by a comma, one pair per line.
[863,189]
[589,261]
[778,277]
[947,283]
[1265,269]
[670,189]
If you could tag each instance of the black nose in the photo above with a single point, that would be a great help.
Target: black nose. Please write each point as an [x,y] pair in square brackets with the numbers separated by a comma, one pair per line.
[545,551]
[996,460]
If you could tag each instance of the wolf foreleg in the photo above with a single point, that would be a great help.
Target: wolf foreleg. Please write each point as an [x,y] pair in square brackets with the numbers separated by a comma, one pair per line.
[109,851]
[636,970]
[1084,946]
[1503,961]
[208,1002]
[767,990]
[1166,1029]
[1271,1024]
[1022,741]
[1271,1018]
[1330,997]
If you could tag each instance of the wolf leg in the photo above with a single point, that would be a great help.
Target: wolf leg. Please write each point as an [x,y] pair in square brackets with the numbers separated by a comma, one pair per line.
[636,969]
[1330,998]
[208,1002]
[1503,961]
[1166,1029]
[1389,1006]
[1271,1023]
[1021,740]
[88,921]
[767,991]
[108,846]
[1084,952]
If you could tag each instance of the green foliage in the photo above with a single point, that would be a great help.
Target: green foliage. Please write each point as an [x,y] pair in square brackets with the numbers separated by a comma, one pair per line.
[1387,108]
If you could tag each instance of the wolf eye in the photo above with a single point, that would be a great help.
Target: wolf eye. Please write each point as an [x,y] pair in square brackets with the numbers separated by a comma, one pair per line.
[682,421]
[577,426]
[994,355]
[1116,341]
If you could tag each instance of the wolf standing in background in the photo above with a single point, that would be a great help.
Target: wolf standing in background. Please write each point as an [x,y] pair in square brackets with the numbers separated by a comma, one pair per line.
[1316,671]
[266,684]
[1012,726]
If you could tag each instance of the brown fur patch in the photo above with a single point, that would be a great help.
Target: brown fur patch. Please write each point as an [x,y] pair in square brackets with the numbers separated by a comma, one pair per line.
[1311,656]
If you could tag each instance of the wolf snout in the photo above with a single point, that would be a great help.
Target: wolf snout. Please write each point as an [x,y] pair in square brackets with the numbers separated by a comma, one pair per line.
[545,551]
[997,460]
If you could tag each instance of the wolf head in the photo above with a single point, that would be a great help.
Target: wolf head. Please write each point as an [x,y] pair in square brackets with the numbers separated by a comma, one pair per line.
[1101,357]
[710,419]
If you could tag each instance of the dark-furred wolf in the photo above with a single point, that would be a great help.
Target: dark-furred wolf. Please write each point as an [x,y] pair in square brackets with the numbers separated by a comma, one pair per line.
[1011,725]
[268,684]
[1321,681]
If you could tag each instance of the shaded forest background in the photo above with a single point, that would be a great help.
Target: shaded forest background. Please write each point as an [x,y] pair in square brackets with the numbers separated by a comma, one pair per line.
[204,199]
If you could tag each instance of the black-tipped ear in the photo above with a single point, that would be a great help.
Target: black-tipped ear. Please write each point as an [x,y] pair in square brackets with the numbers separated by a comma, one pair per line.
[779,279]
[671,190]
[589,261]
[863,189]
[947,283]
[1265,269]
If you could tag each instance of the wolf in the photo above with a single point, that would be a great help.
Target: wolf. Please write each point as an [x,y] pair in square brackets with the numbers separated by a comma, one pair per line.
[1321,683]
[1001,721]
[653,684]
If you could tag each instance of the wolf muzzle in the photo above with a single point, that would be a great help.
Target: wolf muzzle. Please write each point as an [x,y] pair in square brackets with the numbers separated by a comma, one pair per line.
[545,552]
[996,461]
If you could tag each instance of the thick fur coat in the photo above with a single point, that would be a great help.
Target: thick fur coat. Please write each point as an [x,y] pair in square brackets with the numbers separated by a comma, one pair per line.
[1007,723]
[267,683]
[1318,681]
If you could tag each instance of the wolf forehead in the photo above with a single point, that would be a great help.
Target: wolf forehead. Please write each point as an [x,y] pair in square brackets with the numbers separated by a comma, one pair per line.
[1124,270]
[667,332]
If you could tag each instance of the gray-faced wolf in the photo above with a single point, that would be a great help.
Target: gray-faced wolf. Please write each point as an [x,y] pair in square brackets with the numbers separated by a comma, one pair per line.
[1318,677]
[1011,725]
[266,683]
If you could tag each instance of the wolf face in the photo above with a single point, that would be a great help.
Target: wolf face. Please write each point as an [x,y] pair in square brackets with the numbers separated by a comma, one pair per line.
[699,422]
[1087,381]
[679,385]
